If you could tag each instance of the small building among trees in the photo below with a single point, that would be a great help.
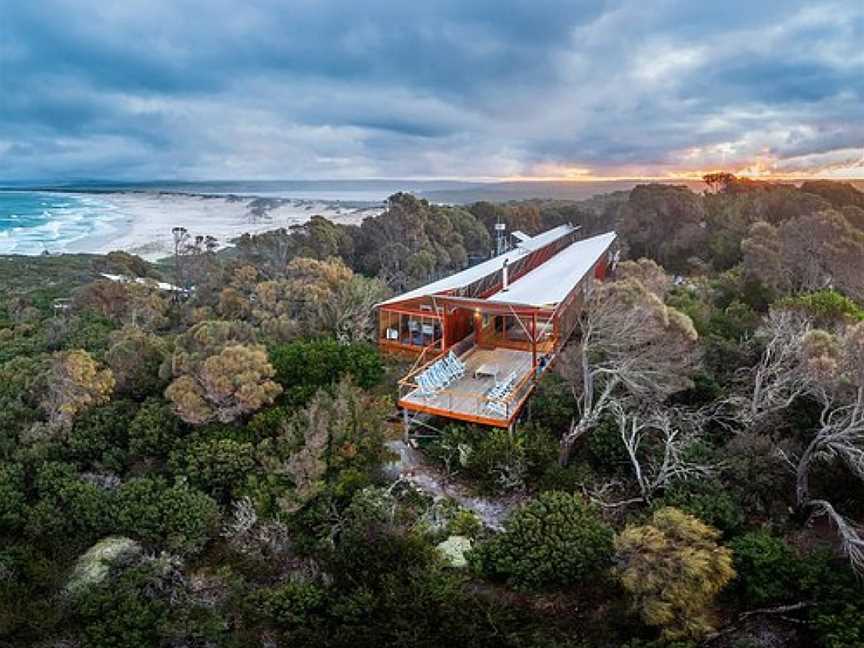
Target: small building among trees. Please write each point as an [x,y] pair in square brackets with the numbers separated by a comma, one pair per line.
[483,336]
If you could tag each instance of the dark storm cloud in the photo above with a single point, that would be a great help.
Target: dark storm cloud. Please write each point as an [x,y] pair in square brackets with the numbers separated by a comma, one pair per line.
[306,88]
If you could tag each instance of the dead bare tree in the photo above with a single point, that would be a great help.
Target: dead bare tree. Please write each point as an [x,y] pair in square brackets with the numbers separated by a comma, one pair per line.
[840,436]
[777,380]
[632,345]
[851,535]
[828,368]
[670,433]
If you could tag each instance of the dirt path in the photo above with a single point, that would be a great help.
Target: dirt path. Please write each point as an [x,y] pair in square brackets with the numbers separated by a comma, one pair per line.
[412,467]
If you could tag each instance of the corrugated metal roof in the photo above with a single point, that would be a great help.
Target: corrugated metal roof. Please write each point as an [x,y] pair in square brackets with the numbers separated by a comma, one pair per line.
[552,281]
[484,268]
[536,242]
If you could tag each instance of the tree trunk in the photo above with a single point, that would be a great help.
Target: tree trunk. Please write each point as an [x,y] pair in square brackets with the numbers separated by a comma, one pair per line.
[802,476]
[570,438]
[564,452]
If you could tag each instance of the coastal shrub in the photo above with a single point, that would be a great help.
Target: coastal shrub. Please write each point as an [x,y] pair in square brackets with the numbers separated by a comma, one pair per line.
[75,383]
[100,436]
[216,466]
[605,445]
[767,569]
[146,605]
[289,604]
[69,512]
[499,460]
[176,517]
[552,405]
[154,430]
[135,358]
[735,322]
[555,540]
[837,618]
[12,498]
[673,568]
[305,366]
[825,307]
[708,500]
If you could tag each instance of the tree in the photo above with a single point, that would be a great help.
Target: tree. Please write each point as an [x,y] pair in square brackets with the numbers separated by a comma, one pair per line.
[809,252]
[632,344]
[839,194]
[339,430]
[413,240]
[829,368]
[667,437]
[555,540]
[777,380]
[75,383]
[763,255]
[673,569]
[665,223]
[216,466]
[125,302]
[233,382]
[646,271]
[178,517]
[12,498]
[135,358]
[718,181]
[219,373]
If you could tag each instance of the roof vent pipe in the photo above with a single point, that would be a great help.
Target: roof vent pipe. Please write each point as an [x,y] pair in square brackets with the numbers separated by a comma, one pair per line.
[505,283]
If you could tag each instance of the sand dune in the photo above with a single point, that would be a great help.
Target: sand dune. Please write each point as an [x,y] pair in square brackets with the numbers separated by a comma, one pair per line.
[141,223]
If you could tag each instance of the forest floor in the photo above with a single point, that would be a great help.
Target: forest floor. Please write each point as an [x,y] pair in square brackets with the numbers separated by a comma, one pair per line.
[412,467]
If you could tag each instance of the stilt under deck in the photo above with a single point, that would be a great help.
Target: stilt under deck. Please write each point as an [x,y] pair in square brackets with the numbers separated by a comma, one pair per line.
[466,398]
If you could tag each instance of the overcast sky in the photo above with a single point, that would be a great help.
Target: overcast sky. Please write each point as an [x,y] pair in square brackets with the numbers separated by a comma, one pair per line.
[277,89]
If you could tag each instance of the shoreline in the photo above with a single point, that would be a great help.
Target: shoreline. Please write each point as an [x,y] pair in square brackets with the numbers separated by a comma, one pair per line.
[140,222]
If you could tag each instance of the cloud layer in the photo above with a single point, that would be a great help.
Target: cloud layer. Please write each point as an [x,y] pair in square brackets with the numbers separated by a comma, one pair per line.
[386,88]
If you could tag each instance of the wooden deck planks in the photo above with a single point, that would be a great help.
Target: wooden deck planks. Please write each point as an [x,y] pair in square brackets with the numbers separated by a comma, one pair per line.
[465,397]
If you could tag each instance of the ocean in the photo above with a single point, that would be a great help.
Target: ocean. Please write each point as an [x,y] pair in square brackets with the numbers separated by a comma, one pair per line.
[33,222]
[88,216]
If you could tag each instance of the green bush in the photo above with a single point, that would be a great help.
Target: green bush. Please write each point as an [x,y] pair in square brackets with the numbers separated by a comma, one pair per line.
[499,460]
[216,466]
[552,405]
[605,445]
[146,605]
[290,603]
[154,430]
[837,619]
[305,366]
[68,510]
[709,501]
[555,540]
[767,569]
[177,517]
[100,435]
[12,498]
[735,322]
[826,307]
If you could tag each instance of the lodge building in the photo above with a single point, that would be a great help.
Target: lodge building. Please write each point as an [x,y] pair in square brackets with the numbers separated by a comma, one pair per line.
[482,337]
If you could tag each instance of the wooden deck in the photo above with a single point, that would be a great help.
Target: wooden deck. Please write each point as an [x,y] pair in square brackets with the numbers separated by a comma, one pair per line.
[465,399]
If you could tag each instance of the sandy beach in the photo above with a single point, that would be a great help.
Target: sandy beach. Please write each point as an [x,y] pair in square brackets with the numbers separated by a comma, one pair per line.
[141,223]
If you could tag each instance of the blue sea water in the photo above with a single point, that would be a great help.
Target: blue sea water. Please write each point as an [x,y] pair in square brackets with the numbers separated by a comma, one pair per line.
[32,222]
